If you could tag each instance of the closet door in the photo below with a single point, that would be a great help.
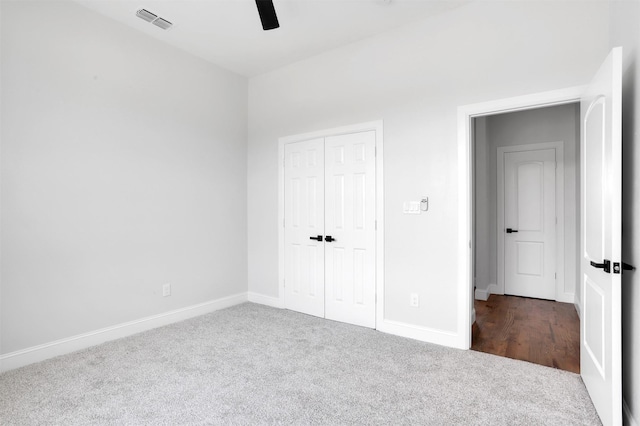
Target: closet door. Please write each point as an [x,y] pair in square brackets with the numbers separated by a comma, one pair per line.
[304,227]
[350,237]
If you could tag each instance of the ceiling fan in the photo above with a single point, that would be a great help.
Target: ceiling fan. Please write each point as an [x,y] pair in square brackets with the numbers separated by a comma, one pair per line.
[266,11]
[267,14]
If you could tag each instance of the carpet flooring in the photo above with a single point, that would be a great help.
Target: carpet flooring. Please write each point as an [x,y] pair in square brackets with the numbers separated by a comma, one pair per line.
[252,364]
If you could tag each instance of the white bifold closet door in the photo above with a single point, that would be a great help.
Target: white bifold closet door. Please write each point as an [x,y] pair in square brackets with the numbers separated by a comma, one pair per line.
[304,220]
[330,227]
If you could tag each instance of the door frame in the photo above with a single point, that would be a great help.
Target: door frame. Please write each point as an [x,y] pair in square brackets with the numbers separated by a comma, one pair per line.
[559,237]
[377,127]
[466,312]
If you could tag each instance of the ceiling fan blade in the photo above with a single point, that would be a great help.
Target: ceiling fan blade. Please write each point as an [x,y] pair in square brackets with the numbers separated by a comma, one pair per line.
[267,14]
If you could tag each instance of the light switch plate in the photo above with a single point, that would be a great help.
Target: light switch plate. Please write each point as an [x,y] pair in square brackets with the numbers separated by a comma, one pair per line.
[411,207]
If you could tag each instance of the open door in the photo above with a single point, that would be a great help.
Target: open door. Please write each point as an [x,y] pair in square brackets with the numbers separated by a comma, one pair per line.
[601,264]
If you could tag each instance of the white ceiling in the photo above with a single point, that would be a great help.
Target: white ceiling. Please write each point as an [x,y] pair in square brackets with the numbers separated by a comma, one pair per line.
[228,32]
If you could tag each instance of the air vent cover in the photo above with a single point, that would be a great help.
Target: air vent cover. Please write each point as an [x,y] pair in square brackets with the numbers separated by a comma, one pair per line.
[162,23]
[146,15]
[154,19]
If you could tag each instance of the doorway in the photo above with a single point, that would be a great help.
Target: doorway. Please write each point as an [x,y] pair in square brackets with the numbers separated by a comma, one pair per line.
[598,300]
[526,237]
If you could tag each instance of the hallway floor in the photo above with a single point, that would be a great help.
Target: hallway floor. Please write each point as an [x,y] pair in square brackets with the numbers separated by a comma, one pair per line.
[539,331]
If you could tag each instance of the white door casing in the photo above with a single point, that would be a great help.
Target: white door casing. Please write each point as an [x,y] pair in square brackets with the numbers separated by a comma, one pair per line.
[466,114]
[529,231]
[600,269]
[303,219]
[350,220]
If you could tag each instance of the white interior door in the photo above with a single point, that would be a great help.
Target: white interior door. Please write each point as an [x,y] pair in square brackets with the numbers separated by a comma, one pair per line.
[350,228]
[600,337]
[530,223]
[304,227]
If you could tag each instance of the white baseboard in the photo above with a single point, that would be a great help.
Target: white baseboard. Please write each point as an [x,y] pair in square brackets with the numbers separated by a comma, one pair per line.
[440,337]
[578,308]
[424,334]
[566,297]
[494,289]
[482,294]
[45,351]
[274,302]
[627,417]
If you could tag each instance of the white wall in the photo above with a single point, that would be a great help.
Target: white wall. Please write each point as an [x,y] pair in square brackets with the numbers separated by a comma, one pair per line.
[414,78]
[123,168]
[552,124]
[625,32]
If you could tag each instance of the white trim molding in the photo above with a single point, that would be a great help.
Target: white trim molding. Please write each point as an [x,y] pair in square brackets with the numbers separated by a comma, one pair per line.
[45,351]
[482,294]
[466,114]
[377,127]
[577,302]
[424,334]
[261,299]
[493,289]
[578,310]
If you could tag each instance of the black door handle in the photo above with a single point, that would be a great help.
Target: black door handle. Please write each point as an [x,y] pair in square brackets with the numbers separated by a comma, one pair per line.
[329,238]
[606,265]
[318,238]
[510,231]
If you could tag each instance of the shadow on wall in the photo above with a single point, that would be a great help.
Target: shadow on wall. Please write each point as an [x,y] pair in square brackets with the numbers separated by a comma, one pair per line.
[629,225]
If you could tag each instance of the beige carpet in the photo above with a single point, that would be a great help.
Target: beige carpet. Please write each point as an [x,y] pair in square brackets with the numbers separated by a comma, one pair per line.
[252,364]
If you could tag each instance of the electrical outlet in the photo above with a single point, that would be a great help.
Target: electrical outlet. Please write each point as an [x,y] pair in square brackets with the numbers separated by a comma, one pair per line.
[166,290]
[415,300]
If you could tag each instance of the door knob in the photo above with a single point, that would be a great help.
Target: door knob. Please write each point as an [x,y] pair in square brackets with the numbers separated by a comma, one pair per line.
[510,231]
[329,238]
[318,238]
[606,265]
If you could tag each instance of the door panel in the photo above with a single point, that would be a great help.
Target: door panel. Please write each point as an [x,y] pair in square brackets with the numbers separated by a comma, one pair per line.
[530,196]
[350,220]
[600,337]
[304,218]
[594,339]
[594,215]
[530,211]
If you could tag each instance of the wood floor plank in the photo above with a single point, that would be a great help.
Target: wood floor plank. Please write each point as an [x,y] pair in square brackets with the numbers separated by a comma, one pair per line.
[539,331]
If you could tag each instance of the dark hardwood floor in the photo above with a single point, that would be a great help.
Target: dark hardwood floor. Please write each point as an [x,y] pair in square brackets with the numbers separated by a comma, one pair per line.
[539,331]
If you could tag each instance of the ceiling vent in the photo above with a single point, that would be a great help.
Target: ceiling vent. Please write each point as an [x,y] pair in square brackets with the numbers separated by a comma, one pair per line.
[162,23]
[146,15]
[154,19]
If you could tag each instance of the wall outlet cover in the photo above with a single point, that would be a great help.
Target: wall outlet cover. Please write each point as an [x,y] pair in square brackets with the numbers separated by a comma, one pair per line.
[166,290]
[415,300]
